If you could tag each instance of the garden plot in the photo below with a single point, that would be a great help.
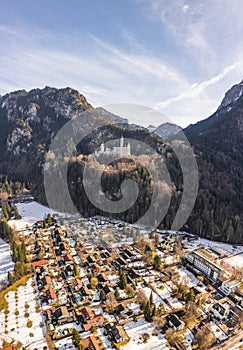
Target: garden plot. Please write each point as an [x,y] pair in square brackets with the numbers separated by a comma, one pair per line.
[136,330]
[21,320]
[188,277]
[156,299]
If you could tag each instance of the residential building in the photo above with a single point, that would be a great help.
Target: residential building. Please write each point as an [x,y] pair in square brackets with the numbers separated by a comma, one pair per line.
[205,262]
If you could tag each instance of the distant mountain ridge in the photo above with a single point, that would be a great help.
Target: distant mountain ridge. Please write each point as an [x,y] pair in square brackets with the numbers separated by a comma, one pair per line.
[167,129]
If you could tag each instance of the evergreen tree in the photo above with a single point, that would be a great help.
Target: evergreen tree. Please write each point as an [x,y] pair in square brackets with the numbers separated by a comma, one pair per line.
[15,251]
[6,231]
[102,295]
[147,249]
[76,338]
[49,219]
[157,262]
[147,311]
[123,280]
[17,216]
[117,294]
[191,295]
[10,278]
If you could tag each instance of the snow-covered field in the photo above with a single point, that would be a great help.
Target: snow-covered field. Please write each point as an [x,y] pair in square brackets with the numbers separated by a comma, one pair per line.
[21,321]
[6,263]
[30,212]
[135,331]
[236,260]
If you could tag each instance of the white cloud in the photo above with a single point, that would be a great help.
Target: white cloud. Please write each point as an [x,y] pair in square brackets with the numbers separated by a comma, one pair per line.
[107,73]
[196,89]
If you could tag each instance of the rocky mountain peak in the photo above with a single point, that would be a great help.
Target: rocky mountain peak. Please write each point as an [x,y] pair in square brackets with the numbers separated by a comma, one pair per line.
[232,95]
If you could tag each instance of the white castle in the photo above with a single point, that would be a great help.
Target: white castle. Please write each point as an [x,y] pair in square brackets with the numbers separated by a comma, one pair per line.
[120,151]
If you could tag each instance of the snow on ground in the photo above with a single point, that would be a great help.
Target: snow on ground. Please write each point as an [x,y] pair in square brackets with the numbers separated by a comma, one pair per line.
[65,344]
[156,299]
[6,263]
[219,334]
[134,307]
[188,277]
[203,242]
[188,338]
[104,339]
[30,212]
[135,330]
[15,321]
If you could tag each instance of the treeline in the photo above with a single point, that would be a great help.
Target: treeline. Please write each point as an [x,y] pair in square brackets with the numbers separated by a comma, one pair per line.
[19,252]
[10,212]
[20,259]
[10,188]
[18,248]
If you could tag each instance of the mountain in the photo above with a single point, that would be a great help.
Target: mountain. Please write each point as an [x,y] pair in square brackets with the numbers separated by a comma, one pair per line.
[30,120]
[151,128]
[229,102]
[167,129]
[115,118]
[218,144]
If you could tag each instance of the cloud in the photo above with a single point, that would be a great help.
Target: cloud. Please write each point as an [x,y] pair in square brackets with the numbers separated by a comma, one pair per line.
[197,88]
[126,69]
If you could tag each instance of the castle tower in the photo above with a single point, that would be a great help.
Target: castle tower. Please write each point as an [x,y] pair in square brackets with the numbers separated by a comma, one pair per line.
[128,149]
[102,148]
[121,142]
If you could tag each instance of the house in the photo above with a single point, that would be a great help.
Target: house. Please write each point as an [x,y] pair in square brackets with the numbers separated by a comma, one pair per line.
[87,313]
[46,281]
[117,333]
[85,291]
[91,260]
[230,286]
[91,343]
[102,277]
[205,262]
[68,258]
[77,283]
[51,296]
[61,315]
[175,322]
[39,224]
[220,310]
[93,322]
[39,263]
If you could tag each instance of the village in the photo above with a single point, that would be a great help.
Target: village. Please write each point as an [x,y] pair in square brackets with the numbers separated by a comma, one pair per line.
[100,284]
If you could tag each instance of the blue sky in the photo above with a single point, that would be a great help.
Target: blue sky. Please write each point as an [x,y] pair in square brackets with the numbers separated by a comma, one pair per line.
[177,56]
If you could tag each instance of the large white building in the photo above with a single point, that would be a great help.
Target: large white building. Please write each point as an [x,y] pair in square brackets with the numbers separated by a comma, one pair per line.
[120,151]
[205,262]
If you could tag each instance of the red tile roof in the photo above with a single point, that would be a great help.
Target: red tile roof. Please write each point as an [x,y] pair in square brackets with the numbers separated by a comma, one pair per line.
[95,321]
[39,263]
[86,312]
[51,294]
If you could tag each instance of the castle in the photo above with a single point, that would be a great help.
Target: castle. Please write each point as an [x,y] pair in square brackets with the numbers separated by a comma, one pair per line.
[120,151]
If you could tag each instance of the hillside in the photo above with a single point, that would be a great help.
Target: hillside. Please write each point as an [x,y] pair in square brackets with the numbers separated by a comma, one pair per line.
[218,143]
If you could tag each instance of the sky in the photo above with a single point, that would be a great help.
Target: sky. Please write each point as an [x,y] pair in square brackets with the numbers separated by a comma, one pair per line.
[178,57]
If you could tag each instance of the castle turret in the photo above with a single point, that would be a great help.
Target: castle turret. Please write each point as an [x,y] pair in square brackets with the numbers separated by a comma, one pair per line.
[102,148]
[121,142]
